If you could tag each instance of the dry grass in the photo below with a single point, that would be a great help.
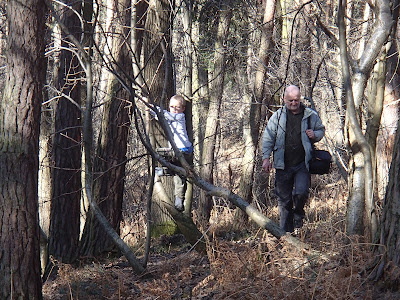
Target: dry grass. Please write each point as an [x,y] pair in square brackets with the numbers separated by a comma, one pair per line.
[250,264]
[253,265]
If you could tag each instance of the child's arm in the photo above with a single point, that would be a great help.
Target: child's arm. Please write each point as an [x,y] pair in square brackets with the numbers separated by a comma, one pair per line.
[173,117]
[153,113]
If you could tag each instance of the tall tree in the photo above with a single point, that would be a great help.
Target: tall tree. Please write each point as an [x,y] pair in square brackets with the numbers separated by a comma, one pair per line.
[157,51]
[187,78]
[388,249]
[303,59]
[19,143]
[252,115]
[66,180]
[200,76]
[217,79]
[361,202]
[158,76]
[110,159]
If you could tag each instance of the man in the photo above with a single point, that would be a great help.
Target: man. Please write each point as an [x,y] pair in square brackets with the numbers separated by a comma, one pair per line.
[289,134]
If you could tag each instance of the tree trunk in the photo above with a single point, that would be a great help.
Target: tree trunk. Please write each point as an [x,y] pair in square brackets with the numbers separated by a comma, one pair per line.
[303,61]
[66,180]
[375,109]
[20,276]
[159,82]
[187,88]
[184,222]
[139,8]
[157,52]
[44,184]
[252,115]
[360,203]
[200,84]
[216,91]
[110,159]
[388,250]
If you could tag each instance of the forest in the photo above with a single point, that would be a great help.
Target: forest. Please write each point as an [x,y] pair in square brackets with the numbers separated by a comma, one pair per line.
[85,212]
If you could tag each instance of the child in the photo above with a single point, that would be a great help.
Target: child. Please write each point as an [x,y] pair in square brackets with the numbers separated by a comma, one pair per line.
[176,120]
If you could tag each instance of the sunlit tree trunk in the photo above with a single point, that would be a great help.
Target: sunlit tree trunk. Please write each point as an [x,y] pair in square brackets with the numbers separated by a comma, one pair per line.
[375,108]
[187,86]
[158,78]
[360,202]
[212,123]
[252,114]
[157,51]
[139,8]
[200,85]
[20,276]
[44,184]
[390,113]
[110,159]
[303,60]
[388,249]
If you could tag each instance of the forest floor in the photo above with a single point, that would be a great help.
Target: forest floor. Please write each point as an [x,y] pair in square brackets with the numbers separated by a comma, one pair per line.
[247,265]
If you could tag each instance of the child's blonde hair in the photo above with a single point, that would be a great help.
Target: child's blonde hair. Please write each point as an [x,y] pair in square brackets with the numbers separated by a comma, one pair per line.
[179,98]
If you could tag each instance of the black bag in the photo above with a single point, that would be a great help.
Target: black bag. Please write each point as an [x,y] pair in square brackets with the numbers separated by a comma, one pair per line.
[320,162]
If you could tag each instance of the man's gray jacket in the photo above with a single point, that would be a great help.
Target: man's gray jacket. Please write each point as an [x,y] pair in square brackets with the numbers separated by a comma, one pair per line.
[274,135]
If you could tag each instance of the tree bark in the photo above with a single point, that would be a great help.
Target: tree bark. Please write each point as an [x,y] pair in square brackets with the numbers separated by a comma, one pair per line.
[20,276]
[216,91]
[187,92]
[160,86]
[388,249]
[110,159]
[44,177]
[200,83]
[157,51]
[184,222]
[252,115]
[139,8]
[87,164]
[375,109]
[66,180]
[360,201]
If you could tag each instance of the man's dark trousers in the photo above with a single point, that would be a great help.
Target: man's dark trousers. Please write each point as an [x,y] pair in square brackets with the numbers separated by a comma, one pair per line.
[291,188]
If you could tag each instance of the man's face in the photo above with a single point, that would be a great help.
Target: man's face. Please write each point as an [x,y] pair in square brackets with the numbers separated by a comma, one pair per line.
[176,107]
[292,101]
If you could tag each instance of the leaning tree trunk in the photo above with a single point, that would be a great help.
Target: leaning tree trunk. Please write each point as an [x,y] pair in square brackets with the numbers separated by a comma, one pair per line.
[216,91]
[110,159]
[66,180]
[20,275]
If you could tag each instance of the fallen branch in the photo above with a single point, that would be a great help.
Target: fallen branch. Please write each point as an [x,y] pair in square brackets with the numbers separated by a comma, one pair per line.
[255,215]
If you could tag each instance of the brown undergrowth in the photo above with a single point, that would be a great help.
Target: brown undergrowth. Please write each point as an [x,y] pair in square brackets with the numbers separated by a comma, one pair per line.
[258,267]
[251,264]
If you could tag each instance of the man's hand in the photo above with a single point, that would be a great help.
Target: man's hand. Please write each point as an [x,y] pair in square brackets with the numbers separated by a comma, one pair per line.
[267,165]
[310,133]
